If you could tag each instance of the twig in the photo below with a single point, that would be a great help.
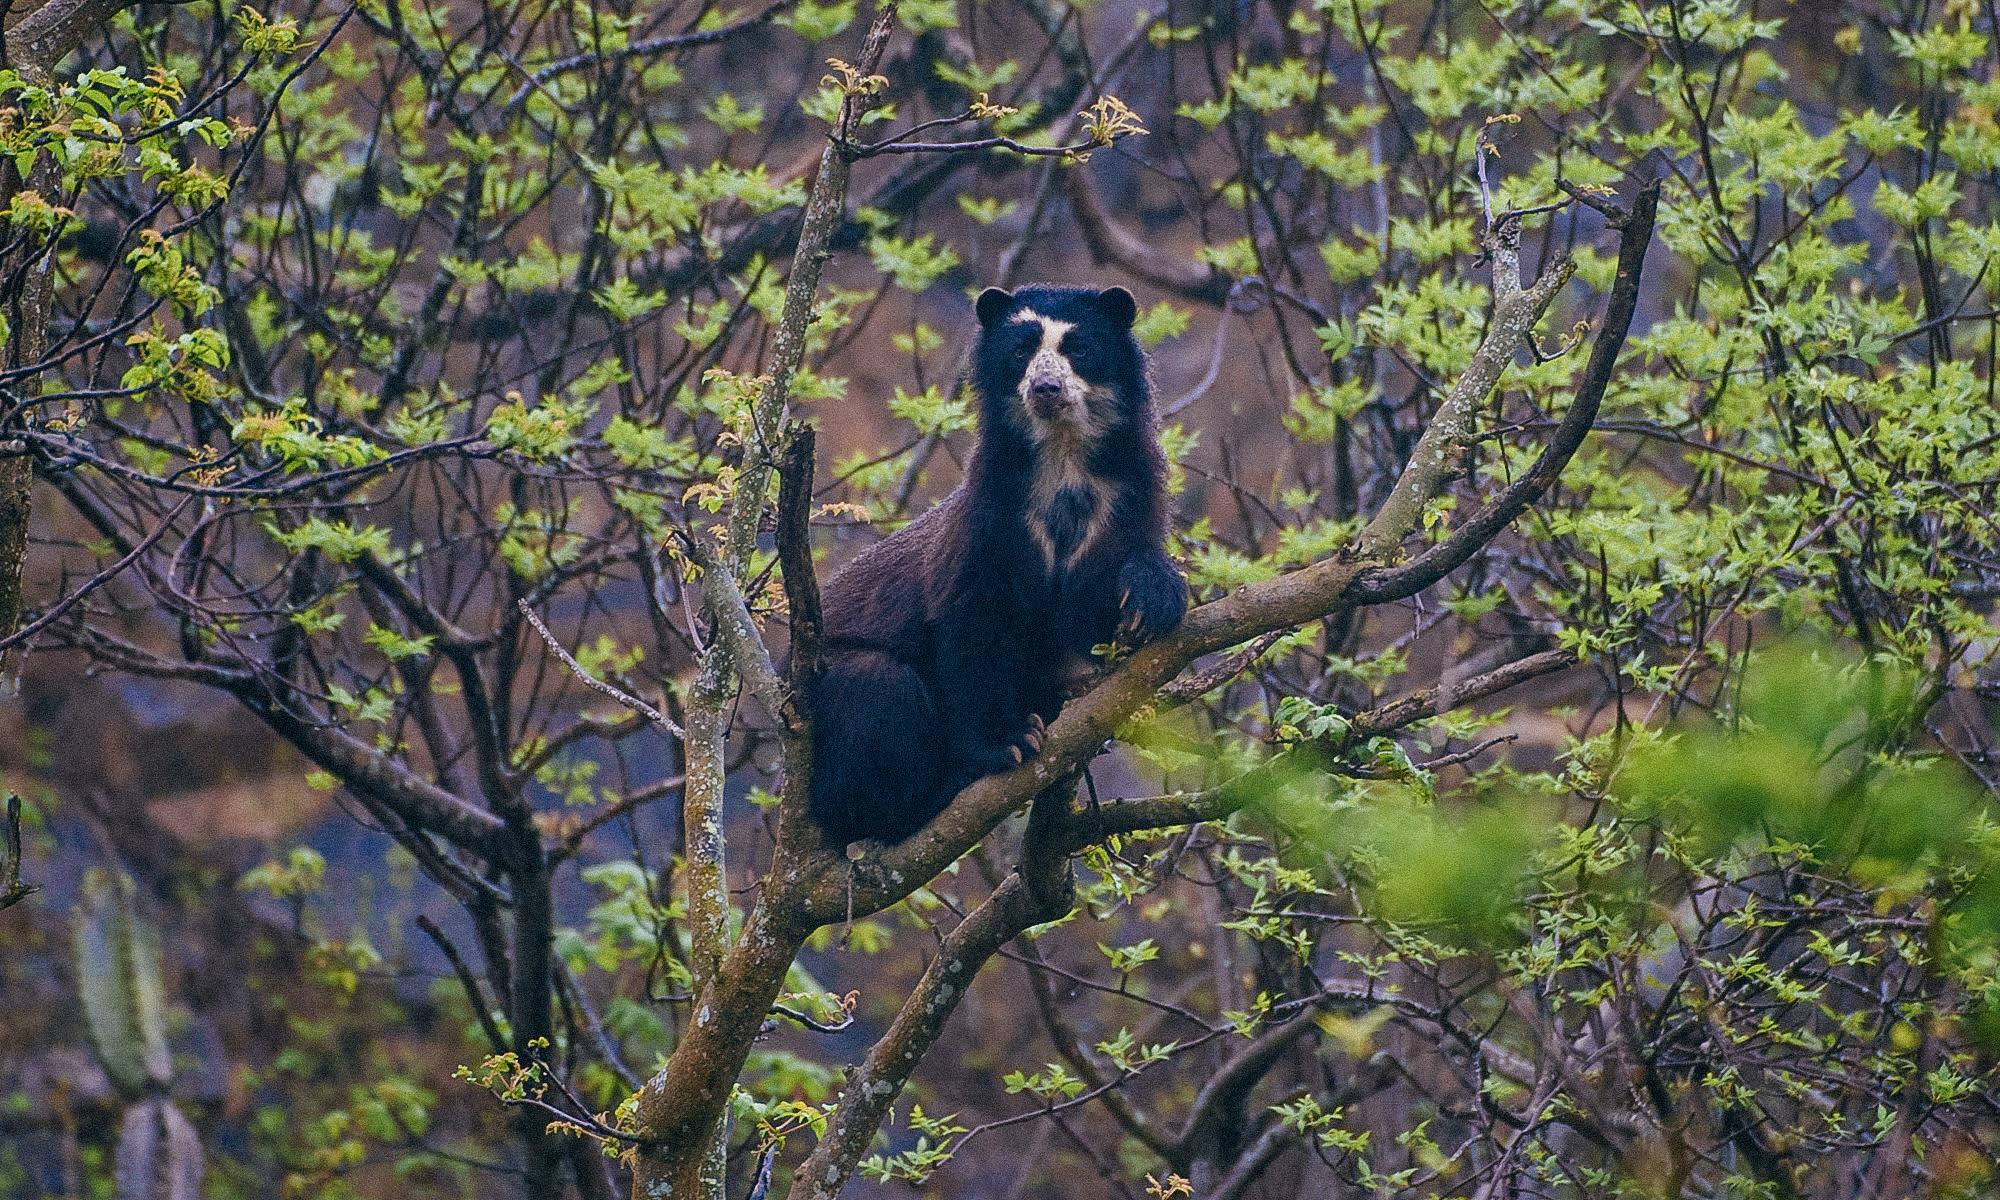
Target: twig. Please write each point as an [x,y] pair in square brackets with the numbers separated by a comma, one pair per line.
[814,1023]
[468,981]
[892,146]
[591,681]
[594,1025]
[574,839]
[1202,682]
[648,48]
[94,582]
[760,1186]
[1214,368]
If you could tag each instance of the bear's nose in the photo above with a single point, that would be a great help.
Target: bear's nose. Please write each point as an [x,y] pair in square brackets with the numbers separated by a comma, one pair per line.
[1048,387]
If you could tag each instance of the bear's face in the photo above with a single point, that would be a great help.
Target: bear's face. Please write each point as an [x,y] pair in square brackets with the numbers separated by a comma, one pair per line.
[1060,364]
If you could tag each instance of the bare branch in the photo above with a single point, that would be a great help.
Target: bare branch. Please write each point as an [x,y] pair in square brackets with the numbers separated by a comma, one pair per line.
[1111,242]
[644,48]
[12,890]
[591,681]
[475,996]
[795,493]
[1188,687]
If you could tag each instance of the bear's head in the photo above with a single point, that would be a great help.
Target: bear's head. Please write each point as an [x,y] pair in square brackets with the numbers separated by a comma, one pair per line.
[1060,364]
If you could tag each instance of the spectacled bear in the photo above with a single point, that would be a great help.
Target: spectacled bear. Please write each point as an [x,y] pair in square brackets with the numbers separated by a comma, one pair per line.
[950,645]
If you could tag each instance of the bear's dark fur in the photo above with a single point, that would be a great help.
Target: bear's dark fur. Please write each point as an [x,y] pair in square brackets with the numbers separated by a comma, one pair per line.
[950,644]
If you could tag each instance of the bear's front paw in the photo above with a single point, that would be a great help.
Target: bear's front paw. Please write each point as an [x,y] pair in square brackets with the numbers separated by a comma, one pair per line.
[1152,599]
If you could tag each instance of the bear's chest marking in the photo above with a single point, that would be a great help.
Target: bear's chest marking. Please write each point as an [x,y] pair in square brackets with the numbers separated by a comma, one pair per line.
[1069,508]
[1068,521]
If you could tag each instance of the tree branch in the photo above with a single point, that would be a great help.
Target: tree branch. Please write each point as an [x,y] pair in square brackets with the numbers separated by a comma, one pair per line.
[46,36]
[644,48]
[1071,1049]
[795,561]
[591,681]
[475,996]
[1036,892]
[1515,313]
[1220,1100]
[732,622]
[1100,821]
[12,890]
[1635,236]
[1111,242]
[1444,697]
[420,803]
[680,1110]
[826,208]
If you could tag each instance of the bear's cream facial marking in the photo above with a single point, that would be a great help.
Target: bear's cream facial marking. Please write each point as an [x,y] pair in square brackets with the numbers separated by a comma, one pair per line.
[1054,395]
[1069,507]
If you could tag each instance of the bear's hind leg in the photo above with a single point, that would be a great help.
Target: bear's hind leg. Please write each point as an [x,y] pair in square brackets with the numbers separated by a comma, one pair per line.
[878,748]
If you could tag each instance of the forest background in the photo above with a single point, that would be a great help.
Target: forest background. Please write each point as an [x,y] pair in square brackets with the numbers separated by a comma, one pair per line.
[422,424]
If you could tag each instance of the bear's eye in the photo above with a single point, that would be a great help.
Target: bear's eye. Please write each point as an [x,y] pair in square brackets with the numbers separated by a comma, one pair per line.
[1083,357]
[1024,350]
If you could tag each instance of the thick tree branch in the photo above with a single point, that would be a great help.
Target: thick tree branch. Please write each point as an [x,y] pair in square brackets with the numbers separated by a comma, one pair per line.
[1218,1107]
[46,36]
[679,1112]
[705,876]
[680,1107]
[362,769]
[1252,1162]
[1515,314]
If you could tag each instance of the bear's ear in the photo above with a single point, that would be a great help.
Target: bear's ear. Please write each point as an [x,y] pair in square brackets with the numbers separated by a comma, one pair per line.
[1117,304]
[992,302]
